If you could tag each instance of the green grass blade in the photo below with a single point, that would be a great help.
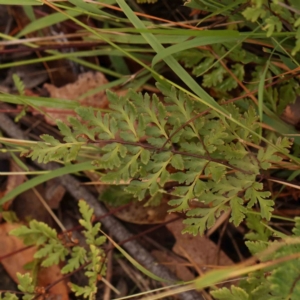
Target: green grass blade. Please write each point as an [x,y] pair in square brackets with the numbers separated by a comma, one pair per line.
[229,36]
[170,60]
[60,55]
[39,101]
[134,262]
[19,162]
[261,87]
[28,9]
[89,7]
[75,57]
[45,177]
[20,2]
[46,22]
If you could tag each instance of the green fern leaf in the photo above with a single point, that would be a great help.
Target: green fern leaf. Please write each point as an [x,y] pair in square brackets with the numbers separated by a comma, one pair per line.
[296,229]
[66,131]
[104,127]
[214,78]
[85,291]
[235,293]
[254,13]
[53,253]
[238,210]
[255,195]
[81,129]
[204,66]
[126,115]
[8,296]
[229,83]
[91,231]
[206,220]
[26,286]
[258,232]
[285,273]
[19,84]
[273,23]
[78,258]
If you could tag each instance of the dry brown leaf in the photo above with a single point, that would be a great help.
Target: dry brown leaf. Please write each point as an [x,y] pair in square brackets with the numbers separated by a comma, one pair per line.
[9,244]
[175,265]
[291,113]
[54,192]
[198,250]
[15,263]
[85,82]
[137,213]
[28,206]
[13,181]
[47,276]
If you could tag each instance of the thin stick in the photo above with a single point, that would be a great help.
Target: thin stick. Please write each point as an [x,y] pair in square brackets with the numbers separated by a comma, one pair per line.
[49,210]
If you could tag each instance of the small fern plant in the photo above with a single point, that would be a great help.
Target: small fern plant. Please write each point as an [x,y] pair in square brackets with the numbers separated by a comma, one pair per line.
[177,146]
[53,248]
[279,280]
[25,285]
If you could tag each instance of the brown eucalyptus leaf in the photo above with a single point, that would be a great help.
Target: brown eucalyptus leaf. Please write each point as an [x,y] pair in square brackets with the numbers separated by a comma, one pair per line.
[72,91]
[11,244]
[175,264]
[15,263]
[13,181]
[199,250]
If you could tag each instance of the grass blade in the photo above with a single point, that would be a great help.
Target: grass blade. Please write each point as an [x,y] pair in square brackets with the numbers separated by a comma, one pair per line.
[261,87]
[196,42]
[46,22]
[43,178]
[20,2]
[134,262]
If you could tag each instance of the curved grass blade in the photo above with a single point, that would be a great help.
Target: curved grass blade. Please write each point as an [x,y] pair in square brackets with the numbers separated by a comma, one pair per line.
[20,2]
[46,22]
[39,101]
[43,178]
[229,36]
[134,262]
[261,87]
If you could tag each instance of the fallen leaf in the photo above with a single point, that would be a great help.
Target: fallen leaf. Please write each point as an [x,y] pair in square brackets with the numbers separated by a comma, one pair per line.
[13,181]
[47,276]
[54,192]
[85,82]
[199,250]
[11,244]
[291,113]
[19,258]
[28,206]
[174,264]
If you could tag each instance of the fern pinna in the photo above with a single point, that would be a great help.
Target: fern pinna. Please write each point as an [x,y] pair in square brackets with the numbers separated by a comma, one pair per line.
[175,146]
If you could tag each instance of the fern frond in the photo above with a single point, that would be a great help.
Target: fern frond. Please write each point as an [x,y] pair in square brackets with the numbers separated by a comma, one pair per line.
[52,250]
[142,138]
[279,281]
